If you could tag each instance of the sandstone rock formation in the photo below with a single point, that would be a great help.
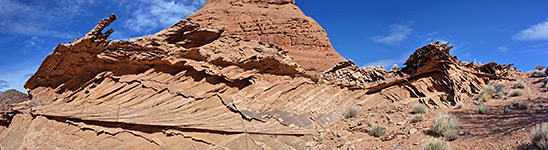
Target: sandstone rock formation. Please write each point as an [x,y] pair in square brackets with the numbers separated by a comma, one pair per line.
[238,74]
[278,22]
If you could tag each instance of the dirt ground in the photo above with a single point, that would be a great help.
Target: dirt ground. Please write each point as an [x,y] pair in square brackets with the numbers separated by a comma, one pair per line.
[495,129]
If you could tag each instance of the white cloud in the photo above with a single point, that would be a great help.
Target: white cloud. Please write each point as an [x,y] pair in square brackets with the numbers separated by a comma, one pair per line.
[4,85]
[30,29]
[398,33]
[152,15]
[15,79]
[535,32]
[386,63]
[502,49]
[35,20]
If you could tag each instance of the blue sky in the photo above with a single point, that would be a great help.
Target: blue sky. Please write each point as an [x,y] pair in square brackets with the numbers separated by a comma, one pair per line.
[369,32]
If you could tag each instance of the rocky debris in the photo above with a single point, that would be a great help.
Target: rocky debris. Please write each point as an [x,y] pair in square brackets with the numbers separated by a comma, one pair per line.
[432,76]
[348,74]
[496,69]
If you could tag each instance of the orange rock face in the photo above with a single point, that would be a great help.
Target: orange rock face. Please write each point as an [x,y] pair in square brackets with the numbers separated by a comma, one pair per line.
[235,75]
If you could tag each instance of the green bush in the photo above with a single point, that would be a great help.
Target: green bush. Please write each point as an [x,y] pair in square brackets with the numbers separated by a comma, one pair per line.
[519,85]
[540,136]
[419,109]
[444,123]
[482,109]
[436,144]
[515,93]
[377,130]
[417,118]
[350,113]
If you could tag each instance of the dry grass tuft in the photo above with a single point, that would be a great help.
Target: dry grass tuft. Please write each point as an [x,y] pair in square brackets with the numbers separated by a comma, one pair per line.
[377,130]
[350,113]
[419,109]
[445,123]
[417,118]
[436,144]
[540,135]
[519,85]
[482,109]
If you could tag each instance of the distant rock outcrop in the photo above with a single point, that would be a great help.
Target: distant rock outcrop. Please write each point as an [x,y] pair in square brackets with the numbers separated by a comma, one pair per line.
[7,99]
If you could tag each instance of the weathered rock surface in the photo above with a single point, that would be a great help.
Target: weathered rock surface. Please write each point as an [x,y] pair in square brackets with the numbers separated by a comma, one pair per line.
[238,74]
[431,76]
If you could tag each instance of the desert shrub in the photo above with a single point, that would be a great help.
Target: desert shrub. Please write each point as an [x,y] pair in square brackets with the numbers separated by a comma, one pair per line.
[377,130]
[540,136]
[451,134]
[419,109]
[445,123]
[394,67]
[523,105]
[436,144]
[459,105]
[498,86]
[515,92]
[350,113]
[487,92]
[482,109]
[519,85]
[417,118]
[538,73]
